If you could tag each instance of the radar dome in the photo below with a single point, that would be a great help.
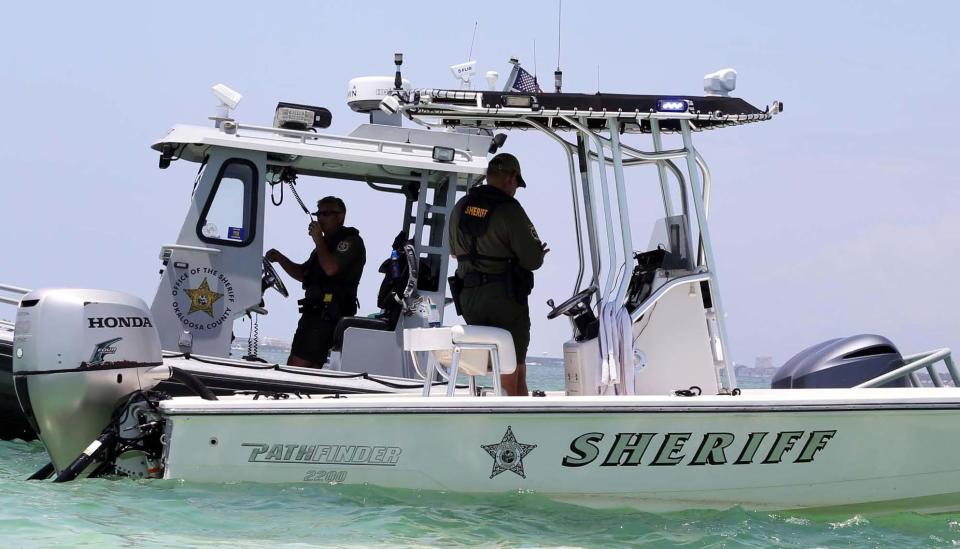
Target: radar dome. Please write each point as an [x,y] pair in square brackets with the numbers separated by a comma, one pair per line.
[365,92]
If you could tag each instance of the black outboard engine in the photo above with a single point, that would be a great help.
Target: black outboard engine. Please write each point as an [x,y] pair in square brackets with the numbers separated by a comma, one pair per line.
[840,363]
[78,355]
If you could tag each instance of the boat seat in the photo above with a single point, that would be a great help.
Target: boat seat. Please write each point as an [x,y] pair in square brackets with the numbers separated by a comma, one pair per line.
[364,322]
[473,350]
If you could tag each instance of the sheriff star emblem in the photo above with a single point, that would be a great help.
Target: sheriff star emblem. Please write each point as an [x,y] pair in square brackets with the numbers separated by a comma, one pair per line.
[202,298]
[508,454]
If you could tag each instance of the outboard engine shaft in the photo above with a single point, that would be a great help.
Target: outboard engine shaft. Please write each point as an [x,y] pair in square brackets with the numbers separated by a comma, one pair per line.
[78,355]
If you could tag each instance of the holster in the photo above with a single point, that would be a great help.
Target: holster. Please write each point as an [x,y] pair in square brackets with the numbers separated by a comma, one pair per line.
[456,289]
[522,282]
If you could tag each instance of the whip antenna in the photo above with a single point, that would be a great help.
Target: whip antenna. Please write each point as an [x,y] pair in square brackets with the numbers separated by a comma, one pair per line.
[534,58]
[472,40]
[558,74]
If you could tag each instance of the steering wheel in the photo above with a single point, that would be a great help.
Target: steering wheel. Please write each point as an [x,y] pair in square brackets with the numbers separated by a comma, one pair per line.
[568,305]
[271,279]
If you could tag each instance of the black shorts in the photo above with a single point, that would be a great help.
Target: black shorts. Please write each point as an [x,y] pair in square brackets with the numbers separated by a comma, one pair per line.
[314,337]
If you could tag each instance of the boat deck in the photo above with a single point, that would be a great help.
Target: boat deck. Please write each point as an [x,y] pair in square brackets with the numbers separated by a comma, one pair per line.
[751,401]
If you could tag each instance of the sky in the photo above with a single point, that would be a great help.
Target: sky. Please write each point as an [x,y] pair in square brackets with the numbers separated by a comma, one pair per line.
[836,218]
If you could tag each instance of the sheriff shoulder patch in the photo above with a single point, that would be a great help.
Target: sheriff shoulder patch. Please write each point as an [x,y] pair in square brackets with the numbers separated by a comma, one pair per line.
[476,211]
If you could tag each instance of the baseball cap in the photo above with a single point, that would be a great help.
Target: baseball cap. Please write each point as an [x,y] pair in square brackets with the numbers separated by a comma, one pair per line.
[506,162]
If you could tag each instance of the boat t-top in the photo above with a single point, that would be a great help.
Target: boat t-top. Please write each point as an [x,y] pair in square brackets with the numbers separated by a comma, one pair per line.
[650,416]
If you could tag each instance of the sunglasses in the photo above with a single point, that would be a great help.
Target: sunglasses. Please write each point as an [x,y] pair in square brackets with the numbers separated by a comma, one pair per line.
[325,213]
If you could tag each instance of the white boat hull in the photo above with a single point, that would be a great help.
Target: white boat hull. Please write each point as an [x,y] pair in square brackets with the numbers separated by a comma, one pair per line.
[822,448]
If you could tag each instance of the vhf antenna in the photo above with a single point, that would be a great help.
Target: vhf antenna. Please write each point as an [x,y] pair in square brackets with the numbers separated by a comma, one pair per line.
[472,40]
[558,74]
[534,58]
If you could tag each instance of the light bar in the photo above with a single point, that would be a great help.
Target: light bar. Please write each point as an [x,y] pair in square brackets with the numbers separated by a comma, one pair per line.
[300,117]
[443,154]
[518,101]
[672,105]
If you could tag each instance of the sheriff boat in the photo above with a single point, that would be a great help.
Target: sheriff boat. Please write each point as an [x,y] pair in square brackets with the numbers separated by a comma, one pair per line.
[650,416]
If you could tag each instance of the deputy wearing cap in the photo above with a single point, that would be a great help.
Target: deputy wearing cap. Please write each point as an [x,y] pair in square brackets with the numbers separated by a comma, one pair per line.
[497,250]
[330,277]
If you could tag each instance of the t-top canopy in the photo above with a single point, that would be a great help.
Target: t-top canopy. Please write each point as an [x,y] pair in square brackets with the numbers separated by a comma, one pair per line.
[514,110]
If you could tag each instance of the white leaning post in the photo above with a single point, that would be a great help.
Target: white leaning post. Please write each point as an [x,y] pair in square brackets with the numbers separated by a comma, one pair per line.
[432,340]
[416,340]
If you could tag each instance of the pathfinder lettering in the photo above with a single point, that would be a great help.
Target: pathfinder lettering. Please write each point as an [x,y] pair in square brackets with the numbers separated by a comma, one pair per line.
[628,449]
[120,322]
[323,454]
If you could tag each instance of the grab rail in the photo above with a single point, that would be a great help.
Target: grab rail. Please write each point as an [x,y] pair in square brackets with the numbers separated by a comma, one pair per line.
[13,290]
[332,141]
[914,363]
[662,291]
[167,250]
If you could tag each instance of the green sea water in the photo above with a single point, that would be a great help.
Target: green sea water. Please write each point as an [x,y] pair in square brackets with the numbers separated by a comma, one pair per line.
[123,512]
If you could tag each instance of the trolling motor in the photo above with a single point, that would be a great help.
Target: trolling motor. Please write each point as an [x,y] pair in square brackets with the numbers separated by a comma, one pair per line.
[84,364]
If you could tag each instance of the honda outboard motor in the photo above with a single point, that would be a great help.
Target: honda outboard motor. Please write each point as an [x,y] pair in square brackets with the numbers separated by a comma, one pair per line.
[840,363]
[78,355]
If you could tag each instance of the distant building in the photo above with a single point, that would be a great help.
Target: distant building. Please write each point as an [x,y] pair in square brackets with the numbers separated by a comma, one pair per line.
[764,367]
[760,373]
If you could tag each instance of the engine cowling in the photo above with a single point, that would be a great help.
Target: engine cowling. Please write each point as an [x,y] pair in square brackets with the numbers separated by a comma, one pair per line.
[840,363]
[78,355]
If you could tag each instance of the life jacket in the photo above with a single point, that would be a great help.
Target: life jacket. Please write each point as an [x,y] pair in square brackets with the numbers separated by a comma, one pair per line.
[478,209]
[339,289]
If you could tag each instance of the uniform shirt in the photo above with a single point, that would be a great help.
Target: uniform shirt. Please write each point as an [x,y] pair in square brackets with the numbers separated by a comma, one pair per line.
[510,234]
[348,252]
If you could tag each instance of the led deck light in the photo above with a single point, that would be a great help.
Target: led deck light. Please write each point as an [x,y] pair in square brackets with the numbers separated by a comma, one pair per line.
[672,105]
[518,101]
[443,154]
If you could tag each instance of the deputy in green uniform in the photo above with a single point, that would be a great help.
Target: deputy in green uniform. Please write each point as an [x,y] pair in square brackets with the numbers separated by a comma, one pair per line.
[497,250]
[330,277]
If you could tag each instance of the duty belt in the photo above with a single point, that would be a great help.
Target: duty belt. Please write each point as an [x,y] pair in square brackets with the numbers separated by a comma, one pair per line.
[475,279]
[315,304]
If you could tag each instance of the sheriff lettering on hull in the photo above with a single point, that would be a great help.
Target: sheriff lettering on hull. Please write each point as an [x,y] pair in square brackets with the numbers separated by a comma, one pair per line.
[628,449]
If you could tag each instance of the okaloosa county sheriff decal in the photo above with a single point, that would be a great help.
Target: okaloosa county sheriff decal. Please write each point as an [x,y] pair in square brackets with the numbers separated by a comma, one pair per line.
[200,307]
[508,454]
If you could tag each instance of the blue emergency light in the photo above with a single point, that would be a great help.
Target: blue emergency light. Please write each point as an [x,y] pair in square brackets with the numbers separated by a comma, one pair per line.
[672,105]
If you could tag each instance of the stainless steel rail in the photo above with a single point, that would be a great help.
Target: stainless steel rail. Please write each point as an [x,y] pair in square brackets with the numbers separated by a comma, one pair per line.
[13,290]
[916,362]
[610,242]
[340,141]
[426,107]
[663,290]
[184,248]
[569,149]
